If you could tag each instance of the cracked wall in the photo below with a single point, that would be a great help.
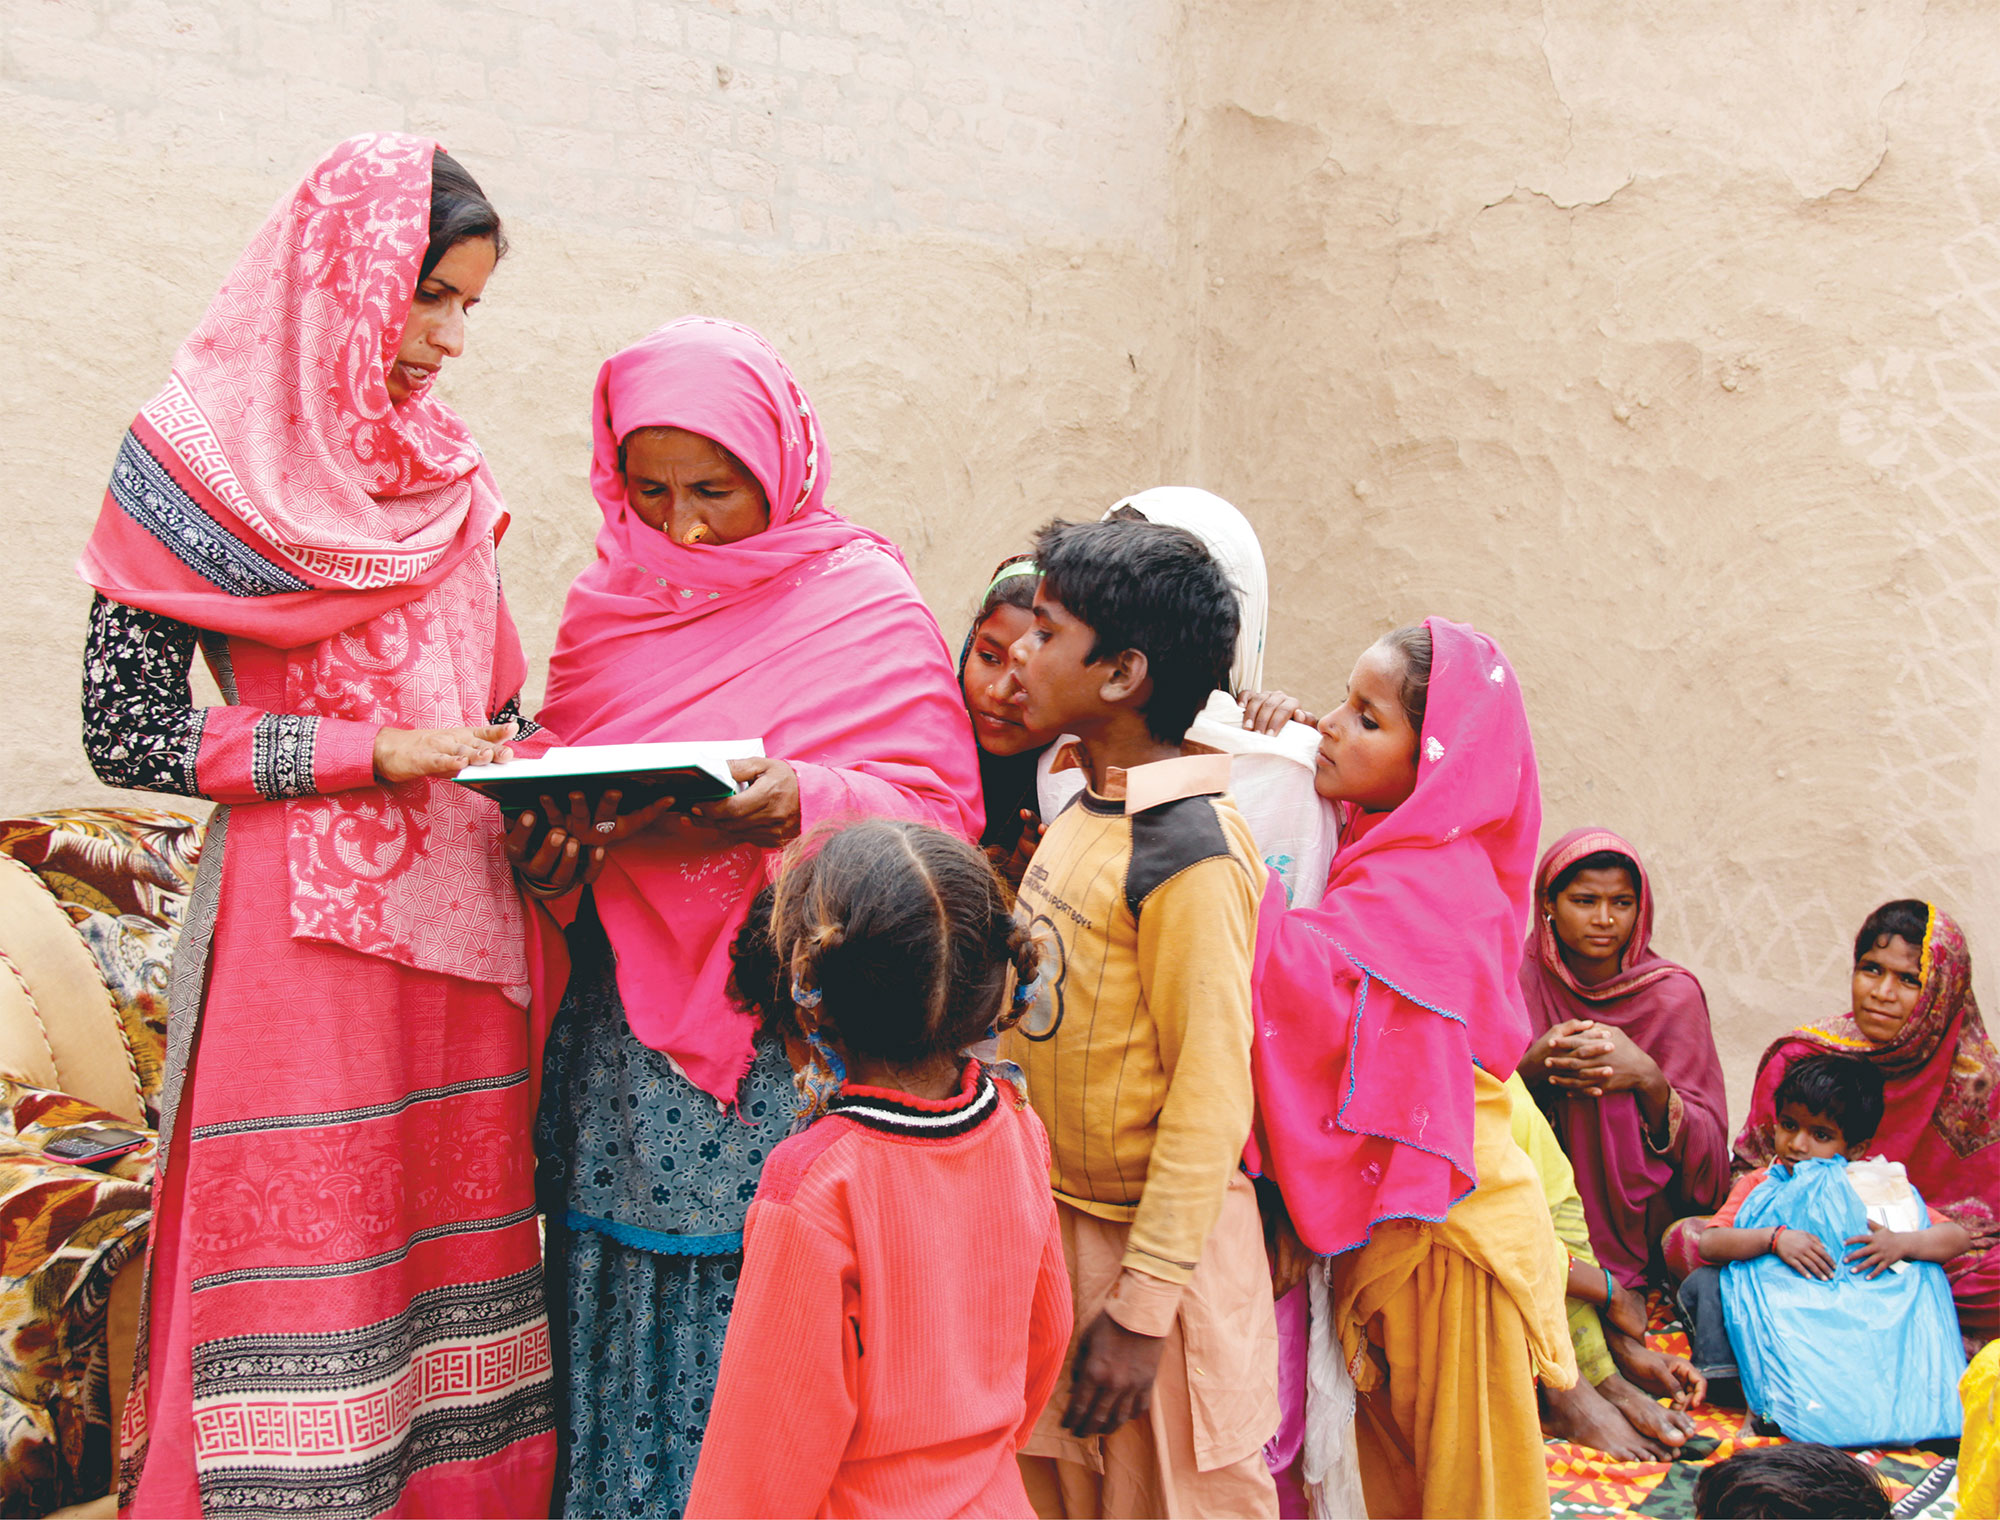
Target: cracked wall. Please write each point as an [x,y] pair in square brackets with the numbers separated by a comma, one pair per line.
[1663,341]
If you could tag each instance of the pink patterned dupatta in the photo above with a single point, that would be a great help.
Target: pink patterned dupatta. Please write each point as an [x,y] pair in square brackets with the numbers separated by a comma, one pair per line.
[272,492]
[1373,1007]
[809,635]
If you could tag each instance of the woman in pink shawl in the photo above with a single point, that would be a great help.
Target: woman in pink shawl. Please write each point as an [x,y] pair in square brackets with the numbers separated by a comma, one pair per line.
[1623,1060]
[1388,1017]
[346,1313]
[1914,1016]
[727,601]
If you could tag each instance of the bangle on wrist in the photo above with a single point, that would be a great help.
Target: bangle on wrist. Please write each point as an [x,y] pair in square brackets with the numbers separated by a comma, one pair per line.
[1771,1245]
[1610,1289]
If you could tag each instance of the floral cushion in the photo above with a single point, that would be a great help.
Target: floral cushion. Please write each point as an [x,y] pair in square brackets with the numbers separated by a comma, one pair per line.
[123,876]
[66,1232]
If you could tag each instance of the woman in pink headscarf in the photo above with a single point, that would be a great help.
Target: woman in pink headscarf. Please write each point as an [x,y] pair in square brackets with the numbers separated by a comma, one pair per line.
[727,601]
[1623,1059]
[346,1309]
[1388,1018]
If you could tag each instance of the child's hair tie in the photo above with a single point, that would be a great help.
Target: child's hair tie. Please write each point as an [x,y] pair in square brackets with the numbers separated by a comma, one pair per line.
[1026,994]
[802,995]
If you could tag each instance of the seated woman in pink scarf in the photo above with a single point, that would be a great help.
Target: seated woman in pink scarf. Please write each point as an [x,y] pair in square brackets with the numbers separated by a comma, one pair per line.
[1623,1061]
[1913,1015]
[345,1279]
[727,601]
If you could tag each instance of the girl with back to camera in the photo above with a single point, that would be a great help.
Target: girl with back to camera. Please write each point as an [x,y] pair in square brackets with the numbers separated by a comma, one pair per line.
[1388,1018]
[903,1308]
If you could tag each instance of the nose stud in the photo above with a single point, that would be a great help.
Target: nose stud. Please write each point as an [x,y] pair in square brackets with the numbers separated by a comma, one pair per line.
[698,534]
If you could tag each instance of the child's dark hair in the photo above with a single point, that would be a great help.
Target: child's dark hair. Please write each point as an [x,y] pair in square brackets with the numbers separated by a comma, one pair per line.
[1798,1478]
[1846,1089]
[1146,586]
[1906,918]
[1413,644]
[460,211]
[1597,860]
[757,978]
[904,932]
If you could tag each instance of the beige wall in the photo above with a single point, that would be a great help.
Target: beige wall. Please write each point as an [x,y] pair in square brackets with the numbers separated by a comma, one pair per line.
[1663,340]
[954,219]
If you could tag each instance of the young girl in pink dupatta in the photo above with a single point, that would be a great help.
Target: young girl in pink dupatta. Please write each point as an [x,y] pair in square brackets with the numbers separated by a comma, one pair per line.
[1914,1016]
[345,1280]
[1623,1060]
[1388,1018]
[727,601]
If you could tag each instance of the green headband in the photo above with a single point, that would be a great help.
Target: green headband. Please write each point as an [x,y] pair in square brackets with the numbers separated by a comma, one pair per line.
[1008,572]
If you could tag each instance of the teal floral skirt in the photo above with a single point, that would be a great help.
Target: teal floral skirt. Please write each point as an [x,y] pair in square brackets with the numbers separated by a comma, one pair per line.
[644,1182]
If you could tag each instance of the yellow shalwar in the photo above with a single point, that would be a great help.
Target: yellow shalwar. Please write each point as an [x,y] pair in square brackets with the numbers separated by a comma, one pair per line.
[1446,1328]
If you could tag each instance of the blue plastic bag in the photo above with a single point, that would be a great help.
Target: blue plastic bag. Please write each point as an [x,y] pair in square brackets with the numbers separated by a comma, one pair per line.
[1851,1362]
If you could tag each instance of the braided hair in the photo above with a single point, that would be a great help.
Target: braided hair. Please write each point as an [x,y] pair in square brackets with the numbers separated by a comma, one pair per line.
[905,935]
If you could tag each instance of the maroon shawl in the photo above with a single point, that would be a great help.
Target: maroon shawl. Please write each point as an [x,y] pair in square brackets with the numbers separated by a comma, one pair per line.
[1631,1192]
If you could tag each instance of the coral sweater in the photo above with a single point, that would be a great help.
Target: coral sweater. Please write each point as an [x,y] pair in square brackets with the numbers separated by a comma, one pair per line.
[901,1318]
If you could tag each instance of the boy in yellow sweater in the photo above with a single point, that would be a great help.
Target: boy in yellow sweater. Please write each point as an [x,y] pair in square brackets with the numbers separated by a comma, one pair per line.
[1138,1057]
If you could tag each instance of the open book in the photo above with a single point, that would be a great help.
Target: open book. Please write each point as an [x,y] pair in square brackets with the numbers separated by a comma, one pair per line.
[690,772]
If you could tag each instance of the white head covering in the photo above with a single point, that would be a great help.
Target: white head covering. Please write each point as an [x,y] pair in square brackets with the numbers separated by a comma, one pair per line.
[1233,542]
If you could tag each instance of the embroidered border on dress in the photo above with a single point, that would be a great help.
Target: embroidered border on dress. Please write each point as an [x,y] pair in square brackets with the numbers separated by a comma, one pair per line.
[354,1358]
[354,1490]
[366,1263]
[154,500]
[281,755]
[359,1115]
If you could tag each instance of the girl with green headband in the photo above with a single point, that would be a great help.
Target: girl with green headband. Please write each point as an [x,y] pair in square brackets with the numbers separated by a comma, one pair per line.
[1008,748]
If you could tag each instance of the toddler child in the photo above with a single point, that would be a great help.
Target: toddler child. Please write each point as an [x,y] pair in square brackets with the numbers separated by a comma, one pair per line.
[903,1307]
[1827,1106]
[1139,1063]
[1798,1478]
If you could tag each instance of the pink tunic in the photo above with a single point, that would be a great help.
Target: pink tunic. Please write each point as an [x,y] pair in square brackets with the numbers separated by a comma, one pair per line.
[902,1315]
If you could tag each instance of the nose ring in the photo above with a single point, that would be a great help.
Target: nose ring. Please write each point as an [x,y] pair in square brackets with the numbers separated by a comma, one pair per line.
[698,534]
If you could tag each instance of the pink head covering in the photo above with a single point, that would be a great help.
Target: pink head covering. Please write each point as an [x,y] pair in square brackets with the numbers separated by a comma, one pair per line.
[315,502]
[1373,1007]
[809,635]
[272,492]
[1631,1192]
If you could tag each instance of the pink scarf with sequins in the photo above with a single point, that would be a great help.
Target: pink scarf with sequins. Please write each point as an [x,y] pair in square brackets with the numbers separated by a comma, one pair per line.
[1373,1007]
[809,635]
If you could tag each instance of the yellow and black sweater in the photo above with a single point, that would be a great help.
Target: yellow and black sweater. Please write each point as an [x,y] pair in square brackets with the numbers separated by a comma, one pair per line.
[1139,1066]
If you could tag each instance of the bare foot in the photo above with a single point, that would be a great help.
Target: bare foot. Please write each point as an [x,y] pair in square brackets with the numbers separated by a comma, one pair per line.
[1582,1414]
[1671,1377]
[1646,1415]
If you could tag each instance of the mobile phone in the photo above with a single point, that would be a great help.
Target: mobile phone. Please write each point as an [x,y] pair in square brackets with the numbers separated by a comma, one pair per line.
[88,1147]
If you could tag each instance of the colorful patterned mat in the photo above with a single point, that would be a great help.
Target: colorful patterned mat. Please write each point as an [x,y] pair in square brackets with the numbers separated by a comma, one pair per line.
[1583,1482]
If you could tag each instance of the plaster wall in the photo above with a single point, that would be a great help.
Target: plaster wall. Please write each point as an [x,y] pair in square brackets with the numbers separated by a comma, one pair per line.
[952,219]
[1661,339]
